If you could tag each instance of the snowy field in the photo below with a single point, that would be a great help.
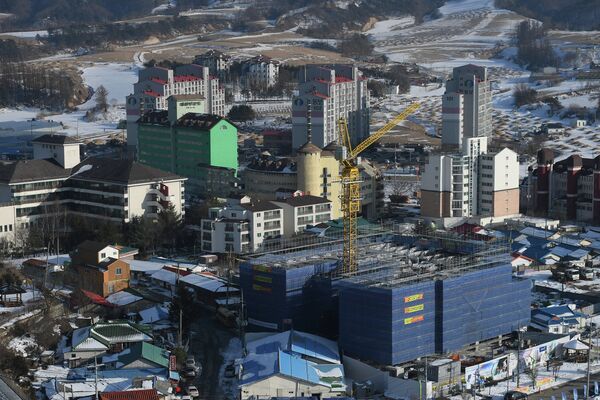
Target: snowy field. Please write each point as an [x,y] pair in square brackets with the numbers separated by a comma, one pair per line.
[466,33]
[17,126]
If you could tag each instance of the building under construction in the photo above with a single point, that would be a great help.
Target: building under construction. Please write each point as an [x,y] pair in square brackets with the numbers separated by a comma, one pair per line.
[413,294]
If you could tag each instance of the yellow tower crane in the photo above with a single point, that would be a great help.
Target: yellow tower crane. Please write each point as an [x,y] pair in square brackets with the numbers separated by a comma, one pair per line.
[351,185]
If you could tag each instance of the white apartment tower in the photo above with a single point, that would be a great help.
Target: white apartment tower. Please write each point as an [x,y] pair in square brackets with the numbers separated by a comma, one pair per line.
[466,106]
[467,179]
[260,72]
[156,84]
[326,93]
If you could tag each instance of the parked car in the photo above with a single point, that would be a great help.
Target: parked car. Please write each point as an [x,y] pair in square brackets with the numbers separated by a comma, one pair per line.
[515,395]
[189,372]
[230,371]
[193,391]
[190,362]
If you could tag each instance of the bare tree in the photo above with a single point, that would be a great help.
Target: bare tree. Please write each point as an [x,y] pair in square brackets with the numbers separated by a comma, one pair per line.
[101,99]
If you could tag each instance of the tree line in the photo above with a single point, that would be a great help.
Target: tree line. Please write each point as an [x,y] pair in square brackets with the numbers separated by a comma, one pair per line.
[578,15]
[35,86]
[533,46]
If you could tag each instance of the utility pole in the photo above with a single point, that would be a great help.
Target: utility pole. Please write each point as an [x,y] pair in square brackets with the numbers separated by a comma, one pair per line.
[180,327]
[587,394]
[96,377]
[519,357]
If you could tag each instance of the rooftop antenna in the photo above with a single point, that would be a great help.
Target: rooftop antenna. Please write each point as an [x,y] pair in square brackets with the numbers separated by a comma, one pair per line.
[309,121]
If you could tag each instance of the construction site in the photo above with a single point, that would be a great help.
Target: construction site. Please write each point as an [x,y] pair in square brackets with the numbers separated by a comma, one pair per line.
[411,295]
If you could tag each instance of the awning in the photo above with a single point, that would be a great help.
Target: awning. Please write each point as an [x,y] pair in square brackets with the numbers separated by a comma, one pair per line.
[575,345]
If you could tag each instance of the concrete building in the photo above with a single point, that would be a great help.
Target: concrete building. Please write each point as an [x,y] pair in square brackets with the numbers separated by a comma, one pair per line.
[100,188]
[201,147]
[242,226]
[260,72]
[468,180]
[300,211]
[466,106]
[291,364]
[315,172]
[156,84]
[325,95]
[568,189]
[218,63]
[391,311]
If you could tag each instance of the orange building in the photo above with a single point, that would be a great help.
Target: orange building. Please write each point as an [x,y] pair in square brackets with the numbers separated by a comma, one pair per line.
[99,269]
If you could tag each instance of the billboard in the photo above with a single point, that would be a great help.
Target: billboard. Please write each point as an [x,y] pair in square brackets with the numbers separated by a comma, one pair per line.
[496,370]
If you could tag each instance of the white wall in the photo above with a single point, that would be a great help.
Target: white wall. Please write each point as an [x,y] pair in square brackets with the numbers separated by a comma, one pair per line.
[280,386]
[437,176]
[7,223]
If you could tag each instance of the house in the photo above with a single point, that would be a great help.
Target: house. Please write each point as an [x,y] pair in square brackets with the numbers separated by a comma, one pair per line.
[291,364]
[165,279]
[104,337]
[140,355]
[553,128]
[209,288]
[96,268]
[134,394]
[561,319]
[155,316]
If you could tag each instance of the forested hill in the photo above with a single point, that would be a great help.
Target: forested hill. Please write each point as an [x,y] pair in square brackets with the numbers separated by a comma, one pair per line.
[57,13]
[578,15]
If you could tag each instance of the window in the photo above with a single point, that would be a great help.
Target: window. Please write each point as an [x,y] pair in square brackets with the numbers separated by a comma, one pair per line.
[102,255]
[119,271]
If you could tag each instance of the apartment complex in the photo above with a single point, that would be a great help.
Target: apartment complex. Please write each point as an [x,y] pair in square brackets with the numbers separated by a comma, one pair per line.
[325,94]
[156,84]
[466,106]
[201,147]
[260,72]
[244,225]
[218,63]
[100,188]
[467,179]
[568,189]
[312,171]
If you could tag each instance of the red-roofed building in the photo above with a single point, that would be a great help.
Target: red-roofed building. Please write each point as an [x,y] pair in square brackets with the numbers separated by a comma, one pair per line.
[136,394]
[326,94]
[156,84]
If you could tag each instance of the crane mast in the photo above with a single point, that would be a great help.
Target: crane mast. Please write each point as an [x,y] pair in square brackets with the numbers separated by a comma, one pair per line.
[350,179]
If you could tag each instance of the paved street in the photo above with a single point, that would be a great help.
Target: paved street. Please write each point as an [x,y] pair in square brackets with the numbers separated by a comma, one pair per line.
[208,339]
[567,388]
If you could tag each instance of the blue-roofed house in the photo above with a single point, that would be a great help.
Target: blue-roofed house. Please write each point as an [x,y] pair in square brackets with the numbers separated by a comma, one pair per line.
[292,364]
[561,319]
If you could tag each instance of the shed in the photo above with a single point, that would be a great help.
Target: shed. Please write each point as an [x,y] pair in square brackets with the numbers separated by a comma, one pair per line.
[11,295]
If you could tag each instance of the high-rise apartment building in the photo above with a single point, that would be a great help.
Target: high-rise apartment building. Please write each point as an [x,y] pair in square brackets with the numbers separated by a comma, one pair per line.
[260,72]
[218,63]
[326,93]
[201,147]
[467,179]
[156,84]
[466,106]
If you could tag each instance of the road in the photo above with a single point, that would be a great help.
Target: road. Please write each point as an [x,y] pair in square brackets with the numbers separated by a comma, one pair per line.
[567,388]
[208,339]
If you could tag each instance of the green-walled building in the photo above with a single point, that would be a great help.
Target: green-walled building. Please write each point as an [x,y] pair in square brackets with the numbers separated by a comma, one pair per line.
[200,147]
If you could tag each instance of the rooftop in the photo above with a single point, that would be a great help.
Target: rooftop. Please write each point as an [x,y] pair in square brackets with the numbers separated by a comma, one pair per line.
[305,200]
[31,171]
[257,206]
[55,139]
[202,121]
[127,172]
[135,394]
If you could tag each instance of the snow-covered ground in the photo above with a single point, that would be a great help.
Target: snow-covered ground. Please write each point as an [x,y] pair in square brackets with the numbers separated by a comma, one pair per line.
[26,34]
[17,126]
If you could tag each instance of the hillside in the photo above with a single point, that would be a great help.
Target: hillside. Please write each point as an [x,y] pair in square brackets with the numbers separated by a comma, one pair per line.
[577,15]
